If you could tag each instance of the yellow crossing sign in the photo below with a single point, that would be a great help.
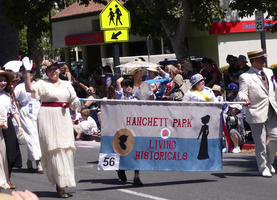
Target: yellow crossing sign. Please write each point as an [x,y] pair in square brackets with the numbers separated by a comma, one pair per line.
[115,16]
[118,35]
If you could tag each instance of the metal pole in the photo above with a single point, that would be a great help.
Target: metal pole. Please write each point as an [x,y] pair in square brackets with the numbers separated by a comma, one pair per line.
[148,44]
[116,60]
[263,42]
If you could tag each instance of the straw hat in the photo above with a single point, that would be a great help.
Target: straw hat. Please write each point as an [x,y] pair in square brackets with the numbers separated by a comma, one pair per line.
[153,69]
[7,197]
[9,75]
[256,54]
[216,88]
[135,70]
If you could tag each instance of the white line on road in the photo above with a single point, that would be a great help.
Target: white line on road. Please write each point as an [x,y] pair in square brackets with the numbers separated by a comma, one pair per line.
[141,194]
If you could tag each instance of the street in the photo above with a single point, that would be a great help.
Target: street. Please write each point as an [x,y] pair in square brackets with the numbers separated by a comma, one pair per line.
[237,180]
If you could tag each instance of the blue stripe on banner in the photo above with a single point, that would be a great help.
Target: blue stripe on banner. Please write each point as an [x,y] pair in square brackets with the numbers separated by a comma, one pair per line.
[174,154]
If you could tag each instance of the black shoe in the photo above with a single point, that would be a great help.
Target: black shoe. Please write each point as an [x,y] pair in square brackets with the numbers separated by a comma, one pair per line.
[137,182]
[122,176]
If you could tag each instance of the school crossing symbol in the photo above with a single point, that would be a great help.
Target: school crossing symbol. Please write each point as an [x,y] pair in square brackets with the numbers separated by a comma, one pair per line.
[115,21]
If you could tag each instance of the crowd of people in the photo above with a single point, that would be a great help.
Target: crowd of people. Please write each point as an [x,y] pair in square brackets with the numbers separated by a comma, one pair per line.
[48,115]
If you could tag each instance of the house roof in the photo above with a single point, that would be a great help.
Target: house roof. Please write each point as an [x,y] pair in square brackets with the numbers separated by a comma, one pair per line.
[75,10]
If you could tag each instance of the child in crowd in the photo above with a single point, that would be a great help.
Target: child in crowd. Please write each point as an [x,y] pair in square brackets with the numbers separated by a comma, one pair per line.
[87,128]
[234,124]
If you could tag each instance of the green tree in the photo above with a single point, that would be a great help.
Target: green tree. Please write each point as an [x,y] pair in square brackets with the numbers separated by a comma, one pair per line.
[31,18]
[170,18]
[246,8]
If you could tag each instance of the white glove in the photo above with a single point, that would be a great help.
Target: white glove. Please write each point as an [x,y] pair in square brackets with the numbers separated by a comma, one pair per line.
[28,64]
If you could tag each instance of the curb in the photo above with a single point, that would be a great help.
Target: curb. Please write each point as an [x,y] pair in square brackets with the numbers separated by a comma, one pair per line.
[248,146]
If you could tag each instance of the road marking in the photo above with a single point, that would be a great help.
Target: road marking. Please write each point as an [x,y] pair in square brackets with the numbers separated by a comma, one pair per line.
[142,194]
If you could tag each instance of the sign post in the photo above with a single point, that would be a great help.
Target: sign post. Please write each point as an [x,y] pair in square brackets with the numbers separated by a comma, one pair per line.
[259,16]
[115,22]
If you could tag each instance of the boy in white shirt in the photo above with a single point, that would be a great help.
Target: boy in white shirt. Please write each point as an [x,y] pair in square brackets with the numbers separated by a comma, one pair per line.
[87,127]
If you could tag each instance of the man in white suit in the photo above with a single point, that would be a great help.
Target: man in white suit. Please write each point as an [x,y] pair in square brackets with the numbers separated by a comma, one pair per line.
[257,90]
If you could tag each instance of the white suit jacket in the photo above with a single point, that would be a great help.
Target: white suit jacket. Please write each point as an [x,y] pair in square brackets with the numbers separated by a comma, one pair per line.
[252,88]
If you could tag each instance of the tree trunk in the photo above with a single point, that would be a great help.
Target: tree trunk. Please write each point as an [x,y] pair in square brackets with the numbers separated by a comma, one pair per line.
[175,32]
[32,41]
[8,41]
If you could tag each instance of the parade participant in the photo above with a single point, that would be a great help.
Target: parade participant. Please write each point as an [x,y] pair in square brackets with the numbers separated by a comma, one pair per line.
[181,86]
[55,126]
[199,92]
[211,72]
[4,172]
[173,71]
[257,90]
[124,89]
[141,91]
[8,100]
[28,110]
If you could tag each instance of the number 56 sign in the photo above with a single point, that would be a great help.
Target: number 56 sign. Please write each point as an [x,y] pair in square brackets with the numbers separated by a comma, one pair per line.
[108,161]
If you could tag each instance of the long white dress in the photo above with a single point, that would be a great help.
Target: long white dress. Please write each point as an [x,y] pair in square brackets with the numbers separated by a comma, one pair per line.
[56,132]
[4,174]
[28,110]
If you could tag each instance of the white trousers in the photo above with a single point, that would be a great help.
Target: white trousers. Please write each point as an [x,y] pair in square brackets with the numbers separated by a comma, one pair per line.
[265,155]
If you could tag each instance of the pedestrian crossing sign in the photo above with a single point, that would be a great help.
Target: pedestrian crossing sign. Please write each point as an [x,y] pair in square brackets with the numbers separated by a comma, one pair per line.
[119,35]
[115,16]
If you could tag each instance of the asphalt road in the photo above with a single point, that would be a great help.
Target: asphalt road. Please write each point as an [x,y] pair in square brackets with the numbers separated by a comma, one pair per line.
[237,181]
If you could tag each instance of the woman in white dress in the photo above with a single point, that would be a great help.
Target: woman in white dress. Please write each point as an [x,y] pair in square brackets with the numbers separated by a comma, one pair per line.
[198,91]
[28,110]
[4,172]
[7,100]
[55,127]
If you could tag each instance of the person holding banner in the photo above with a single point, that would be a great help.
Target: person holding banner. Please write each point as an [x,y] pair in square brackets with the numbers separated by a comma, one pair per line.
[55,126]
[141,91]
[257,90]
[199,92]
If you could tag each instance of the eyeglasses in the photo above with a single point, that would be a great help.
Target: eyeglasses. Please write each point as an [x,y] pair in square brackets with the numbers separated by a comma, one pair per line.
[3,80]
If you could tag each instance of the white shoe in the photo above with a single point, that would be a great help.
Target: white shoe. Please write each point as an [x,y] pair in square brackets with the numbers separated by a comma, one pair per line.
[236,150]
[224,150]
[272,170]
[266,173]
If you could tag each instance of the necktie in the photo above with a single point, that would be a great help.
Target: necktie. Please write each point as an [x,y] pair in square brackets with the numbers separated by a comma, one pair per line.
[264,79]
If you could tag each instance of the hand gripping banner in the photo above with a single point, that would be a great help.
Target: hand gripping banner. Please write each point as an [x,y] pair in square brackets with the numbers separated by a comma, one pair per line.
[172,136]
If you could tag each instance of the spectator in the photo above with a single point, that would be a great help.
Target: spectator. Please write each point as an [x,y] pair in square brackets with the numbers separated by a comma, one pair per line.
[186,69]
[154,74]
[199,92]
[210,72]
[243,67]
[232,74]
[107,75]
[65,73]
[232,92]
[87,129]
[235,128]
[218,93]
[181,86]
[173,71]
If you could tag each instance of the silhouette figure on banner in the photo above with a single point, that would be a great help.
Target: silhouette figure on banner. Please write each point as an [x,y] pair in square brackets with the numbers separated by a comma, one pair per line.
[203,150]
[118,15]
[122,140]
[111,16]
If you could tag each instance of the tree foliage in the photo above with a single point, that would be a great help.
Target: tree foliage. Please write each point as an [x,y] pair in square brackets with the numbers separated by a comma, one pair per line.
[246,8]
